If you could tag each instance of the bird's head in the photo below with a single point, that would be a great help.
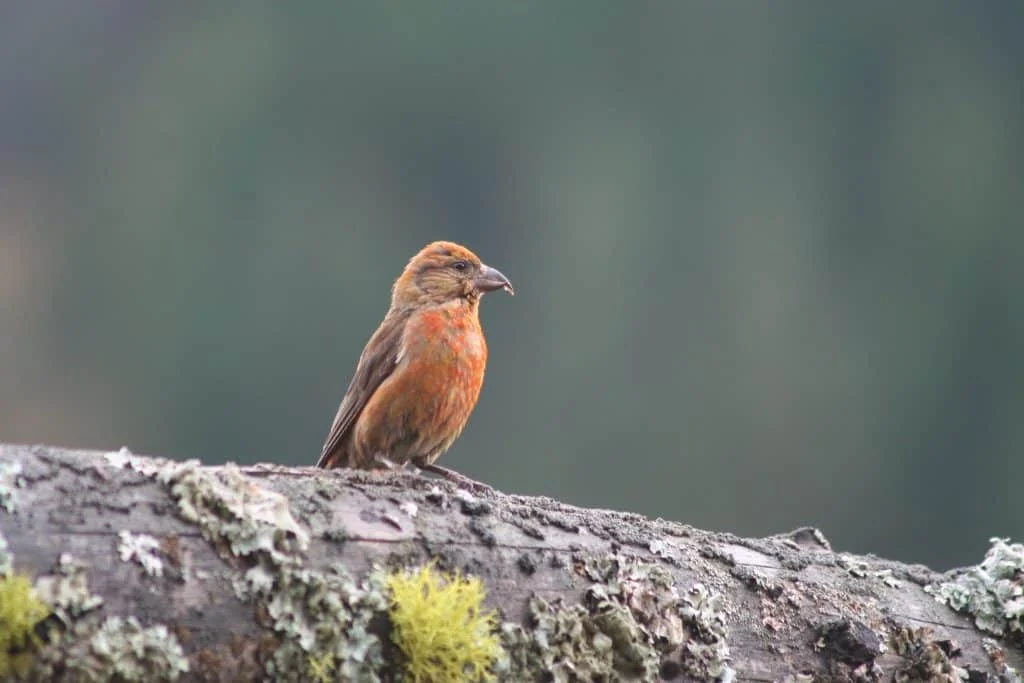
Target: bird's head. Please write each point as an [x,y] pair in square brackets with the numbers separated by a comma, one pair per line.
[444,271]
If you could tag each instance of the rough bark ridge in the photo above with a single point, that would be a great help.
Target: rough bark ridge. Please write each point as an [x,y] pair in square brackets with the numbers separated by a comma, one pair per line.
[162,570]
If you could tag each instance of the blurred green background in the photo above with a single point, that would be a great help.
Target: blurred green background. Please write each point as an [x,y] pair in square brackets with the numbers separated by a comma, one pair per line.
[767,255]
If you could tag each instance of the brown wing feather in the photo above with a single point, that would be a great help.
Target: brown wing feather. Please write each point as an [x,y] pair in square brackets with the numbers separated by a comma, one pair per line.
[376,363]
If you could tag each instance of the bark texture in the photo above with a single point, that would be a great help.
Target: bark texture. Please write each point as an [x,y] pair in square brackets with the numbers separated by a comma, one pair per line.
[162,570]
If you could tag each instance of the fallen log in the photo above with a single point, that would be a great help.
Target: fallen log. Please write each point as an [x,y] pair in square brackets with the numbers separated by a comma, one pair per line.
[123,567]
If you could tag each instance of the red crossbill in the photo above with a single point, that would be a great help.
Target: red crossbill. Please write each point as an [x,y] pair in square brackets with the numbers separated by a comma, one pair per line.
[419,376]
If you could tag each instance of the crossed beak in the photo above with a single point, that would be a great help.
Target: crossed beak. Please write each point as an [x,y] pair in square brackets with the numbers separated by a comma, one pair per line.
[490,279]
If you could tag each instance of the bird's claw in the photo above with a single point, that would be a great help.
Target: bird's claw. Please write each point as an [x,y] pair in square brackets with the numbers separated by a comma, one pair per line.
[387,463]
[474,485]
[460,480]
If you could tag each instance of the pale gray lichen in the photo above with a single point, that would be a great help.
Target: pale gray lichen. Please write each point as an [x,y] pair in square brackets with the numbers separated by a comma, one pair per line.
[66,590]
[123,650]
[84,648]
[228,508]
[991,592]
[326,617]
[631,623]
[707,646]
[860,569]
[696,620]
[141,548]
[10,479]
[322,618]
[6,559]
[646,589]
[661,548]
[565,641]
[146,466]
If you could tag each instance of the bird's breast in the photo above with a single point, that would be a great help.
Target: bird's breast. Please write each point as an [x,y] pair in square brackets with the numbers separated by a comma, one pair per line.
[445,348]
[423,406]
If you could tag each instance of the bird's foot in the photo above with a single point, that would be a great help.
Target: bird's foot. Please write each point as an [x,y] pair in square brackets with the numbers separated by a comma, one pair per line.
[387,464]
[460,480]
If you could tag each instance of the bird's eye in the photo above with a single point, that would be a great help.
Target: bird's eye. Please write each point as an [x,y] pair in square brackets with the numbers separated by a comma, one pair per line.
[460,265]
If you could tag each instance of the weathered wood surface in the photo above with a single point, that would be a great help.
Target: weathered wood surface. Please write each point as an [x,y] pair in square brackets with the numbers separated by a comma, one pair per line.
[781,596]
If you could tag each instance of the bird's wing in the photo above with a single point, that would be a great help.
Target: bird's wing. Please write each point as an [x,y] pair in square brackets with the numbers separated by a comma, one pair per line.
[376,363]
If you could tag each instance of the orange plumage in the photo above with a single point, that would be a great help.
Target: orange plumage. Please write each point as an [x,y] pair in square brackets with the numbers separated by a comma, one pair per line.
[419,377]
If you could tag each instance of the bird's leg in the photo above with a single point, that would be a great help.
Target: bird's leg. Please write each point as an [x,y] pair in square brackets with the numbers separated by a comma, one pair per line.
[459,480]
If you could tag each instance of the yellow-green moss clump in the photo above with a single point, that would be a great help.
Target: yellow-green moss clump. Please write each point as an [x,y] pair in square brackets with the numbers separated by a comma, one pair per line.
[438,624]
[20,611]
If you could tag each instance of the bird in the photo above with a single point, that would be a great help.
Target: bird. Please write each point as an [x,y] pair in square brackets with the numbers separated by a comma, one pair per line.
[419,376]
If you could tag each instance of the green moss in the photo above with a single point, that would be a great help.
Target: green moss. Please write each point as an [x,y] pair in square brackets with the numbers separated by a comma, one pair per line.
[438,624]
[991,592]
[322,668]
[20,611]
